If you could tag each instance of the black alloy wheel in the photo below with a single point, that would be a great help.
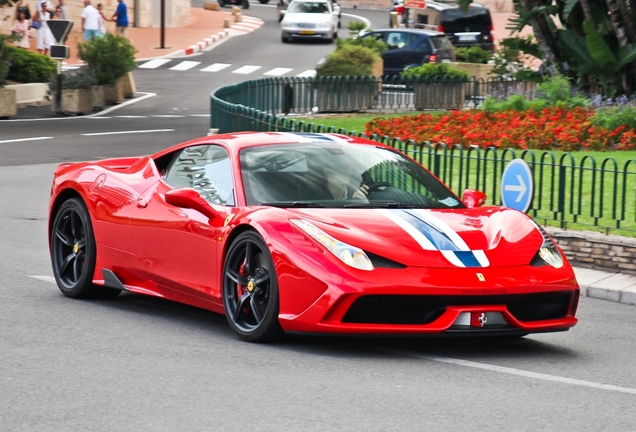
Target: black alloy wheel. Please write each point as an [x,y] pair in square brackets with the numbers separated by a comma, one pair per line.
[250,289]
[73,252]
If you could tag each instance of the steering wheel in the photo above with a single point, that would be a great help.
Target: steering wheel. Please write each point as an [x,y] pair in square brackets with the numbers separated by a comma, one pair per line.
[374,187]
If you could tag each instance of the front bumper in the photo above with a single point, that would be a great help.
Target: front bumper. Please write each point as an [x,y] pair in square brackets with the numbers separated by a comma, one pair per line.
[293,33]
[419,301]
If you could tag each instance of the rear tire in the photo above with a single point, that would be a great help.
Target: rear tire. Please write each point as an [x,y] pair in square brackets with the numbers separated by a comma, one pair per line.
[250,290]
[73,252]
[245,4]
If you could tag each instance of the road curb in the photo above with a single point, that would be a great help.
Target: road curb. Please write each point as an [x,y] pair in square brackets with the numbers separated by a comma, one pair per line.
[247,25]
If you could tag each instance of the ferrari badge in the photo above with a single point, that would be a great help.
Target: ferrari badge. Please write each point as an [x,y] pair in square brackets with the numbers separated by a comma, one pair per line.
[481,277]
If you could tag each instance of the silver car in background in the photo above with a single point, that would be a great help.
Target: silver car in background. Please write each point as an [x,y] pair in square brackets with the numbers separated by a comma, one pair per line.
[309,19]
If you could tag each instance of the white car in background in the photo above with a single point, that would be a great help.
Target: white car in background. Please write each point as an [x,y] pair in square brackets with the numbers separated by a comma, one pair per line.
[309,19]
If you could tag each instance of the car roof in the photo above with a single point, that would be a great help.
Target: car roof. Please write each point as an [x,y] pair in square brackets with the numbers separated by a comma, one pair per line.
[240,140]
[451,5]
[410,30]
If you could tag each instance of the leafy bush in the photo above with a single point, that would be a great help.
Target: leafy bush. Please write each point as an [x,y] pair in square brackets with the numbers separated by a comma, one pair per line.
[109,57]
[348,60]
[615,117]
[82,79]
[5,60]
[30,67]
[473,55]
[435,70]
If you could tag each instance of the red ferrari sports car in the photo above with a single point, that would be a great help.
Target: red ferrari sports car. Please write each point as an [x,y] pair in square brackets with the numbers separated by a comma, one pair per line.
[305,233]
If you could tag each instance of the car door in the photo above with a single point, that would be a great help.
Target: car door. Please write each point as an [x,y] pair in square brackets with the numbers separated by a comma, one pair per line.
[178,248]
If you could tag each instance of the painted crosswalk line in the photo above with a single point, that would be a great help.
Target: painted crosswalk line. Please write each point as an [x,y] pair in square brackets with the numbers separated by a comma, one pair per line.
[246,69]
[278,71]
[216,67]
[185,65]
[307,74]
[154,64]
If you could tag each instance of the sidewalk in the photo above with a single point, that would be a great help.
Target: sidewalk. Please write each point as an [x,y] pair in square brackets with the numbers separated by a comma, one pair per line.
[616,287]
[203,24]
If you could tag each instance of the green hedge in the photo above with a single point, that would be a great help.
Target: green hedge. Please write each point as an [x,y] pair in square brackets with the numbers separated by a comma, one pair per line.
[29,67]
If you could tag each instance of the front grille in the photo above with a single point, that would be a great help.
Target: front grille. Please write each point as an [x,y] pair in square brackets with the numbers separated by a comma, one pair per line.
[306,25]
[411,309]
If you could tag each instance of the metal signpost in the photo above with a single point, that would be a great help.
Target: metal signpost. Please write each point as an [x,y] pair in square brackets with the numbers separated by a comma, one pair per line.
[60,30]
[517,185]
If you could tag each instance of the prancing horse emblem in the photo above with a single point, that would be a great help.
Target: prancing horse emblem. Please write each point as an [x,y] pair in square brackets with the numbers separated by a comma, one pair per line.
[482,319]
[481,277]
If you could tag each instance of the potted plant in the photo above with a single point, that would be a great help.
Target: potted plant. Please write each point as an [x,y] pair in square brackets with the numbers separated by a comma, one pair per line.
[478,62]
[77,95]
[8,101]
[110,59]
[437,86]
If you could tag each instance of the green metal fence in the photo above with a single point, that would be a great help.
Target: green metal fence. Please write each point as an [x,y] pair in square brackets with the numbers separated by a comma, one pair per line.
[573,194]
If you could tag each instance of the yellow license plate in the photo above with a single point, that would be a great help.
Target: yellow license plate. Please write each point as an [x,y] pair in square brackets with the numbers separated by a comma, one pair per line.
[306,32]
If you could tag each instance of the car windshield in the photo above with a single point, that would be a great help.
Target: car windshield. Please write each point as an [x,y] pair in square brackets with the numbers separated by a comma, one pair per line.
[331,175]
[308,7]
[476,16]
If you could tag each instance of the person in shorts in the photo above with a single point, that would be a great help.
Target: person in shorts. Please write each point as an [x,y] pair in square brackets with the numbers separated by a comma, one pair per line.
[121,19]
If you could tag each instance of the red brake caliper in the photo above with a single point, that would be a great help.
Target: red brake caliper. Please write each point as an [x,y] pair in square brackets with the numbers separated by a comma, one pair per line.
[242,289]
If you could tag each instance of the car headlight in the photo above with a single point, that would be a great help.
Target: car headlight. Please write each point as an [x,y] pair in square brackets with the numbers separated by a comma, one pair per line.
[350,255]
[286,24]
[548,253]
[323,25]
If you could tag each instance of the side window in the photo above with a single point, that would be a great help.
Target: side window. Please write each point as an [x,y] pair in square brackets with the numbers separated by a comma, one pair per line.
[424,46]
[206,169]
[398,40]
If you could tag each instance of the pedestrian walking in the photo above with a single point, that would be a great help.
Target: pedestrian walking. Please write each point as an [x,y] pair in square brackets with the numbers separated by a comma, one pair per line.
[102,19]
[121,19]
[44,36]
[61,10]
[90,21]
[21,31]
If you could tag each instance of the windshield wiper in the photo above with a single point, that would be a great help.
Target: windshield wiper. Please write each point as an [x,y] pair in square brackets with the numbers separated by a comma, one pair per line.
[391,204]
[297,204]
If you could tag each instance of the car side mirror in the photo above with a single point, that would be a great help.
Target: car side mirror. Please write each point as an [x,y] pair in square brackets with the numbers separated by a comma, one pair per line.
[283,12]
[190,199]
[473,198]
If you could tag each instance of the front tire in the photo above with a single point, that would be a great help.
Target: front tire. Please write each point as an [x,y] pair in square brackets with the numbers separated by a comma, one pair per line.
[250,290]
[221,3]
[263,1]
[245,4]
[73,252]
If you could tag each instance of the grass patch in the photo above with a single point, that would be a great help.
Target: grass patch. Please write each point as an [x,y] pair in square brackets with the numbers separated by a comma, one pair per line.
[352,122]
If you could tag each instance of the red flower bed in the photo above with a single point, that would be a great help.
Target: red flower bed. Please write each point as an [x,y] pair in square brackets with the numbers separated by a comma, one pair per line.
[551,128]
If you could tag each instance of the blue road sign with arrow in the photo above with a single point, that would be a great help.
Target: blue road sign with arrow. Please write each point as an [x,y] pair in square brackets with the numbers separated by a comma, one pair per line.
[517,185]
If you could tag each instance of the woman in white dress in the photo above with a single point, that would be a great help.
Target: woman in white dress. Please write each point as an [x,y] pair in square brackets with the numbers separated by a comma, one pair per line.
[44,36]
[102,19]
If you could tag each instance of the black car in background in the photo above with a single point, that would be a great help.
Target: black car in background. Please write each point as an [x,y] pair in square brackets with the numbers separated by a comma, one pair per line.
[412,47]
[473,28]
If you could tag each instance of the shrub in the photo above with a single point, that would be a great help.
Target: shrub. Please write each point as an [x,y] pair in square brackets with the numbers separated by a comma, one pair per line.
[435,70]
[615,117]
[109,57]
[5,60]
[82,79]
[348,60]
[473,55]
[29,67]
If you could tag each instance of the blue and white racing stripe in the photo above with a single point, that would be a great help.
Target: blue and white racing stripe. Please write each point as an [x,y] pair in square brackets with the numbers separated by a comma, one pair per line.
[432,233]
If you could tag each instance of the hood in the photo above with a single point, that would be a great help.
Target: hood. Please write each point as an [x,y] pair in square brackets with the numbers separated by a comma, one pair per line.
[478,237]
[307,18]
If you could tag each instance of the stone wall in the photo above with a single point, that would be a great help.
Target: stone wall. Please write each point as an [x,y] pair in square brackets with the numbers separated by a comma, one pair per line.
[597,251]
[177,13]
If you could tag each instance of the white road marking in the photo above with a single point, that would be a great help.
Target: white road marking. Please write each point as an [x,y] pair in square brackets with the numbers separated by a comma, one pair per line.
[128,132]
[130,116]
[24,139]
[185,65]
[216,67]
[167,115]
[307,74]
[278,71]
[50,279]
[154,64]
[517,372]
[199,115]
[246,69]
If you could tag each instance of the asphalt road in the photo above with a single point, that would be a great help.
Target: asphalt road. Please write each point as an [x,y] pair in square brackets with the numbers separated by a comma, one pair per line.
[144,364]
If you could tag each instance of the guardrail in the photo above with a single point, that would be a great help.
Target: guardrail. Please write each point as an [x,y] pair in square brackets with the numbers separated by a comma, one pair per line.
[569,194]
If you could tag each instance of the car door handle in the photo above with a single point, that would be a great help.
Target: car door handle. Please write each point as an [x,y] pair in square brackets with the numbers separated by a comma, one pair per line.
[141,203]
